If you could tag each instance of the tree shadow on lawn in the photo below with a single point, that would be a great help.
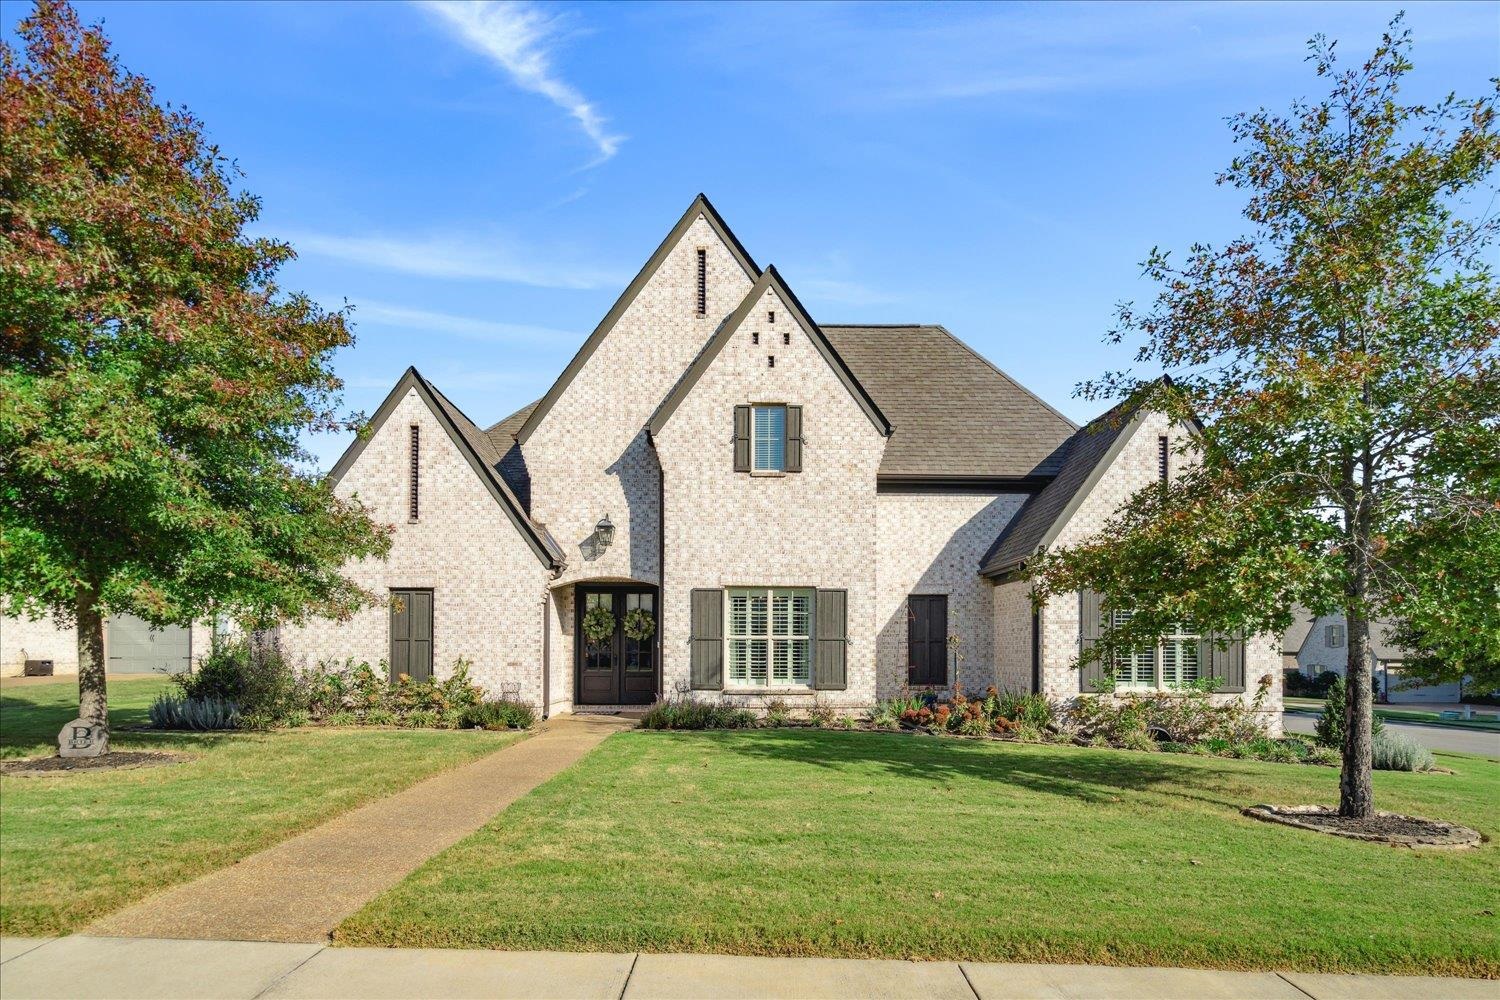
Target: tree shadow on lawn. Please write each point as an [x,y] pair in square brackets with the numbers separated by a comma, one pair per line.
[26,727]
[1072,772]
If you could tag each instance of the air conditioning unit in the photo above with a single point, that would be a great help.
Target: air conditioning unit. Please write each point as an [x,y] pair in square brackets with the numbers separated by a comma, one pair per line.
[38,668]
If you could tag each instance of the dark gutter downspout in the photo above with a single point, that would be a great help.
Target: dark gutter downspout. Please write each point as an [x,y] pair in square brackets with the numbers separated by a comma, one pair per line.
[546,653]
[661,571]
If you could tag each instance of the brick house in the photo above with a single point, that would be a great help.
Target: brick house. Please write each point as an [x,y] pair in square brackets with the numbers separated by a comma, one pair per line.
[803,511]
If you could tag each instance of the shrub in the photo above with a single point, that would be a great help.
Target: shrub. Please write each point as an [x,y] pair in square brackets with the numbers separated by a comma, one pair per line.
[198,714]
[847,722]
[1026,732]
[821,714]
[1034,709]
[258,681]
[688,714]
[882,716]
[1330,725]
[1137,739]
[498,713]
[777,714]
[342,717]
[978,726]
[380,717]
[423,718]
[1393,751]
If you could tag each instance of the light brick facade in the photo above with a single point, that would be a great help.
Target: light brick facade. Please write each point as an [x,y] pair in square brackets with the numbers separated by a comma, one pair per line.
[488,586]
[1134,468]
[685,519]
[930,543]
[816,528]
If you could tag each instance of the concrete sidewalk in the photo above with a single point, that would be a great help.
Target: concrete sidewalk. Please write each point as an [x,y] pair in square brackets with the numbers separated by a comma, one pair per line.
[301,888]
[151,968]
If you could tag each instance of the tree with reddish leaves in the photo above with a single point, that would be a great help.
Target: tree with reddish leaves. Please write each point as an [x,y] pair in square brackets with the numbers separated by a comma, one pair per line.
[1343,360]
[154,379]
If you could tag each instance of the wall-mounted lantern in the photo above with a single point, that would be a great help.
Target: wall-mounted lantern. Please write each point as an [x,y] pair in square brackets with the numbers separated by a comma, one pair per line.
[605,531]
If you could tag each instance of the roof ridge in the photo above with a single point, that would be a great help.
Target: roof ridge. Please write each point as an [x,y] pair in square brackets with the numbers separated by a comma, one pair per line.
[1006,375]
[881,326]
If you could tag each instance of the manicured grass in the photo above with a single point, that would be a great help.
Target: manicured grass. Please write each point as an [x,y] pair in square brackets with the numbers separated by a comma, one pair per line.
[76,846]
[803,842]
[1488,725]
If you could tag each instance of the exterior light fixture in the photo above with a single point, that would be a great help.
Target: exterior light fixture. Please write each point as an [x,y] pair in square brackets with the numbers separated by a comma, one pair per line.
[605,529]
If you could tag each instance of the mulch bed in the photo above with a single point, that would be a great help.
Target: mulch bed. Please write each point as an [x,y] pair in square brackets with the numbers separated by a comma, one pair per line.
[115,760]
[1383,828]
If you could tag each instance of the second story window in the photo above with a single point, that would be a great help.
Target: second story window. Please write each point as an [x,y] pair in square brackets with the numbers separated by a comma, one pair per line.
[768,442]
[1333,636]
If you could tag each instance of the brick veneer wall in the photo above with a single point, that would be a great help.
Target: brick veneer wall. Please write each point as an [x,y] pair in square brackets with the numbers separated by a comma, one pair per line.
[1133,468]
[816,528]
[931,543]
[1012,611]
[589,455]
[488,585]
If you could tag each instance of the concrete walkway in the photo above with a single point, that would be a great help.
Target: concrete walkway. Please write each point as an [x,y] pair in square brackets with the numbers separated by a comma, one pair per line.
[301,888]
[141,967]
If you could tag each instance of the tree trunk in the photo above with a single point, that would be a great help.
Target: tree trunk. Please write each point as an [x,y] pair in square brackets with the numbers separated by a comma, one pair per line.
[1356,793]
[93,705]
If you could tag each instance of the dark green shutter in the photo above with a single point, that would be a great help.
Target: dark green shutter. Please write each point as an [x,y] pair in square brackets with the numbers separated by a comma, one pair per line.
[1090,632]
[411,634]
[708,640]
[830,672]
[1227,664]
[742,439]
[794,439]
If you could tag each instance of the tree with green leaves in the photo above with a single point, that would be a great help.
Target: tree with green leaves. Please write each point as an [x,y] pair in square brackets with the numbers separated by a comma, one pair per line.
[1342,359]
[154,379]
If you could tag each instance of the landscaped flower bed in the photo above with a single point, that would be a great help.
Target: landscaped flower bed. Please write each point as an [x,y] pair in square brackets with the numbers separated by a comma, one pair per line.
[1186,721]
[235,687]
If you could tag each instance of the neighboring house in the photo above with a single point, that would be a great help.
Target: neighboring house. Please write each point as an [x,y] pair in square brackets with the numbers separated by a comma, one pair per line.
[1317,643]
[130,646]
[809,512]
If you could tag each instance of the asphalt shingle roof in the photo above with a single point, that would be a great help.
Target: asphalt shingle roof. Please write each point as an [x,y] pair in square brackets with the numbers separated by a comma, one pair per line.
[512,465]
[484,446]
[1079,456]
[953,414]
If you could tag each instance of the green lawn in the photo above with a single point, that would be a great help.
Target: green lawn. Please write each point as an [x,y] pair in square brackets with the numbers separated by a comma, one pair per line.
[1486,723]
[801,842]
[76,846]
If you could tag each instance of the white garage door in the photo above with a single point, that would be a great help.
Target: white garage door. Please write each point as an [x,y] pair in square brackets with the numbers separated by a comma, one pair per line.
[136,648]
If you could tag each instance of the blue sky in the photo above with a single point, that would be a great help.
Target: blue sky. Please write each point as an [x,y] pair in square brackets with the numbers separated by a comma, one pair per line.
[481,182]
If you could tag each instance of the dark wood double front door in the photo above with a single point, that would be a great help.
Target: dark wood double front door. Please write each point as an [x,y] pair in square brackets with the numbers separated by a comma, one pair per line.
[619,670]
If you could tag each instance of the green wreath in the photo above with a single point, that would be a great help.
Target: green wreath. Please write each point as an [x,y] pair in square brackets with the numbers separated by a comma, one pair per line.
[639,625]
[598,625]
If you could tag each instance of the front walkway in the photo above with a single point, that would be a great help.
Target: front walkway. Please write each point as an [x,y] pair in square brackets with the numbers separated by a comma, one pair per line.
[301,888]
[141,967]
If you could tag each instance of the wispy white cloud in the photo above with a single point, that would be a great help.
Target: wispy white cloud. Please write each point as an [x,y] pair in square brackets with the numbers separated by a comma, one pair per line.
[519,37]
[386,314]
[458,257]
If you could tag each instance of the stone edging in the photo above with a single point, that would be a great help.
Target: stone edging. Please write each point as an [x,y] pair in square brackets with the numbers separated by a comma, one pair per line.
[1446,835]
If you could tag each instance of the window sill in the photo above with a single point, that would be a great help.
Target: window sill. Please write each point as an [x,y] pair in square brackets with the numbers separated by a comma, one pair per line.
[767,474]
[769,690]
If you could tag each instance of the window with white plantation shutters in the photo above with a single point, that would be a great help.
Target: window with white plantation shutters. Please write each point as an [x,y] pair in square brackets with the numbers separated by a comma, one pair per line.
[1179,656]
[769,637]
[1134,668]
[1176,656]
[768,438]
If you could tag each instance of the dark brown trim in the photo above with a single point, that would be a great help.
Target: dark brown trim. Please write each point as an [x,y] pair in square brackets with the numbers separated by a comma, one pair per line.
[768,281]
[961,484]
[700,206]
[1133,424]
[412,379]
[546,653]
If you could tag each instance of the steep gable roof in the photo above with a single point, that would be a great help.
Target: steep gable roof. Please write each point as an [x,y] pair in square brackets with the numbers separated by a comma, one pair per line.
[473,444]
[1086,457]
[512,462]
[700,206]
[954,414]
[770,280]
